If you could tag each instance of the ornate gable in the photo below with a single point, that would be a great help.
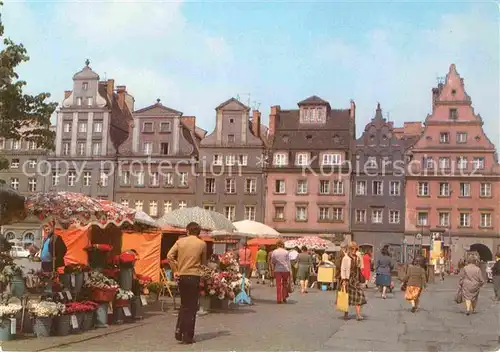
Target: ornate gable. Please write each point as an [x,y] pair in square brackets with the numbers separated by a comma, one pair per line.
[156,110]
[232,104]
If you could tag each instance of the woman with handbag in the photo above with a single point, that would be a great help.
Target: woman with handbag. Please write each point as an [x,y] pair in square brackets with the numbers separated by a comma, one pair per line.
[352,279]
[414,282]
[383,269]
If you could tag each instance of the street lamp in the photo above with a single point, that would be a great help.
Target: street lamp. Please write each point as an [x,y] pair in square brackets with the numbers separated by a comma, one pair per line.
[418,236]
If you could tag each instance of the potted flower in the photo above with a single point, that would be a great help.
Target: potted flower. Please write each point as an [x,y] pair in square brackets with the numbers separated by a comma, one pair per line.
[97,253]
[43,313]
[122,298]
[127,261]
[84,312]
[14,276]
[101,288]
[72,278]
[7,311]
[62,321]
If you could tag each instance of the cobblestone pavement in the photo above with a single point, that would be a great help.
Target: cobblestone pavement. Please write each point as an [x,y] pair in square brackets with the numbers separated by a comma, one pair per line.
[310,323]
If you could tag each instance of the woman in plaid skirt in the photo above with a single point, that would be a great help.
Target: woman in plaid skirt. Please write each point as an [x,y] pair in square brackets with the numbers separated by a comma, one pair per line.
[350,272]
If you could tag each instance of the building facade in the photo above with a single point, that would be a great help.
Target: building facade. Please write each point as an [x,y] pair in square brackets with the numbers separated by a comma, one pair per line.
[453,180]
[230,170]
[308,175]
[378,190]
[91,124]
[157,163]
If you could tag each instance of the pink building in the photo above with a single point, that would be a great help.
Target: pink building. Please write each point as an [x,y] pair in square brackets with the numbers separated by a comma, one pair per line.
[308,179]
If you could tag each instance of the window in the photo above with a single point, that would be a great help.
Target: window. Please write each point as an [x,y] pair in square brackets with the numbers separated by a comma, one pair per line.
[464,189]
[361,188]
[14,164]
[87,178]
[338,187]
[217,159]
[444,137]
[147,127]
[444,163]
[139,178]
[251,185]
[85,86]
[485,220]
[230,160]
[312,115]
[331,159]
[428,162]
[90,101]
[164,148]
[280,159]
[395,188]
[485,190]
[250,212]
[153,208]
[32,184]
[79,101]
[302,159]
[230,138]
[302,187]
[103,179]
[338,214]
[324,213]
[167,206]
[209,207]
[210,185]
[279,186]
[96,148]
[82,127]
[378,188]
[32,145]
[71,178]
[183,179]
[360,216]
[98,127]
[165,127]
[464,220]
[2,143]
[377,216]
[279,212]
[67,127]
[154,179]
[230,185]
[372,162]
[462,162]
[453,114]
[81,146]
[169,179]
[65,148]
[125,177]
[444,189]
[242,160]
[229,212]
[32,163]
[182,204]
[444,219]
[422,218]
[14,183]
[16,145]
[324,187]
[139,205]
[124,202]
[394,217]
[301,213]
[478,163]
[423,189]
[55,178]
[147,148]
[461,137]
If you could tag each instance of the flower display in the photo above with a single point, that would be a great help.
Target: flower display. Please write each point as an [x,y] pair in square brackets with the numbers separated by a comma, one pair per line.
[76,268]
[113,260]
[9,310]
[102,247]
[228,262]
[111,272]
[9,271]
[79,307]
[124,295]
[99,280]
[127,257]
[47,309]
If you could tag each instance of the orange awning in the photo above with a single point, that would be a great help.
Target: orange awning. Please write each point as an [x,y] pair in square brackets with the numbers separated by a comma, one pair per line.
[262,241]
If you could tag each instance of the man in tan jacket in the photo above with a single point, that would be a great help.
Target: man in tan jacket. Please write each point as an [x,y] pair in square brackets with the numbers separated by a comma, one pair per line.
[185,258]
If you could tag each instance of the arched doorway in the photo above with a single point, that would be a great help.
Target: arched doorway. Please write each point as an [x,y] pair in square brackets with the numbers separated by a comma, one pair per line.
[10,236]
[29,239]
[484,252]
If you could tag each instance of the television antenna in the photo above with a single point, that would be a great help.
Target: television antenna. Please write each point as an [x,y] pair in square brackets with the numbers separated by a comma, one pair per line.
[440,79]
[246,95]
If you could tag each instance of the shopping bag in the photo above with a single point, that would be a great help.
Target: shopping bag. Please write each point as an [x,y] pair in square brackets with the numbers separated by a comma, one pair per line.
[342,300]
[459,298]
[291,286]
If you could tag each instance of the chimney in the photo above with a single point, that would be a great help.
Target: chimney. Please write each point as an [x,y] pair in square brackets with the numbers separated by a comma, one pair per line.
[110,87]
[256,123]
[352,110]
[189,122]
[273,119]
[121,91]
[67,94]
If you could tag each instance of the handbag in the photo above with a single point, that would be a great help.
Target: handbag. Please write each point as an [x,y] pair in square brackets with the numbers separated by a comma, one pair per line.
[291,286]
[404,286]
[459,298]
[342,300]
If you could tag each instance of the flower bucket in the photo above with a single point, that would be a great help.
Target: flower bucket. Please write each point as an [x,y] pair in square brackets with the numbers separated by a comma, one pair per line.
[42,326]
[78,283]
[88,321]
[126,278]
[136,309]
[120,303]
[102,295]
[205,303]
[17,286]
[5,334]
[97,259]
[217,303]
[118,316]
[80,317]
[62,325]
[66,280]
[102,316]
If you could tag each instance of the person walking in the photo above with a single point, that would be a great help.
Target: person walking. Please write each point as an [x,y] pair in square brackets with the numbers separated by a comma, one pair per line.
[261,264]
[270,267]
[294,254]
[441,266]
[415,280]
[495,271]
[383,269]
[350,272]
[280,261]
[185,258]
[470,282]
[305,262]
[245,260]
[367,266]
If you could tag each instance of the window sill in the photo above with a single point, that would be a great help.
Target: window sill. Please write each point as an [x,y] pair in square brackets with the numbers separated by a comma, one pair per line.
[338,194]
[183,186]
[209,193]
[250,193]
[486,227]
[440,196]
[279,194]
[324,194]
[168,186]
[278,220]
[464,227]
[423,226]
[299,220]
[464,196]
[423,196]
[443,226]
[139,186]
[394,223]
[301,194]
[154,186]
[377,223]
[331,221]
[230,193]
[486,197]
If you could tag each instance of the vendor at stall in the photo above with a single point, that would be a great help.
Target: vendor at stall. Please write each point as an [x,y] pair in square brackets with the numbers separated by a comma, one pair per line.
[53,251]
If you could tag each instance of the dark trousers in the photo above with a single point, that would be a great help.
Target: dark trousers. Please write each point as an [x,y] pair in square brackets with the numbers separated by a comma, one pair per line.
[189,289]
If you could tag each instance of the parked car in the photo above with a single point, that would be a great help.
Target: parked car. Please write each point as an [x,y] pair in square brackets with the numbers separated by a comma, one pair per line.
[489,273]
[19,252]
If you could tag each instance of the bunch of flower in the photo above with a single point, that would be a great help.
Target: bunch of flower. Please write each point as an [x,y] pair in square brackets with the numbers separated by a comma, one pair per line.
[124,295]
[127,257]
[9,271]
[9,310]
[228,262]
[98,280]
[217,286]
[143,280]
[113,260]
[236,285]
[47,309]
[79,307]
[76,268]
[111,272]
[102,247]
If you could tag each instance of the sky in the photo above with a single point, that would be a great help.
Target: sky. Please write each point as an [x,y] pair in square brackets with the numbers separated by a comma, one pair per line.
[195,55]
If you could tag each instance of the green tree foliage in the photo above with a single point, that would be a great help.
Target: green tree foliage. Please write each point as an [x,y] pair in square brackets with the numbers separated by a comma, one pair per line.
[22,116]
